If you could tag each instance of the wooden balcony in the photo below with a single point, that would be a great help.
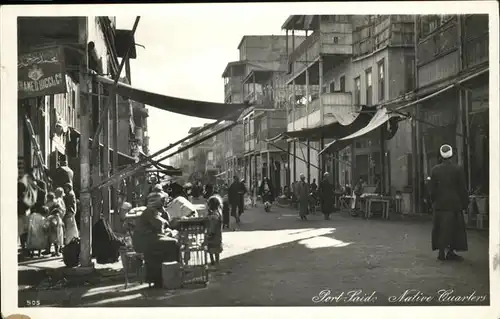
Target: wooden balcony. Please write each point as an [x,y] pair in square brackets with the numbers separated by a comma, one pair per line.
[337,106]
[476,51]
[334,45]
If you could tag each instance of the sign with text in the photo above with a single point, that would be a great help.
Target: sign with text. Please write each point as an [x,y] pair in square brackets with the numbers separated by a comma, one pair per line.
[41,72]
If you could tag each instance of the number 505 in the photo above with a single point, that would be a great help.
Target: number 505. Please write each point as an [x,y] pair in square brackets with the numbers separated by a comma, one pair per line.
[32,303]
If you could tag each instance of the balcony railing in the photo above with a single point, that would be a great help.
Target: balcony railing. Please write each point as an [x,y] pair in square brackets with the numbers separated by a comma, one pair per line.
[476,50]
[333,103]
[304,46]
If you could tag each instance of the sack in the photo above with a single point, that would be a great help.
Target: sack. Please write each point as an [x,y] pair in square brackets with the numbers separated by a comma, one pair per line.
[71,253]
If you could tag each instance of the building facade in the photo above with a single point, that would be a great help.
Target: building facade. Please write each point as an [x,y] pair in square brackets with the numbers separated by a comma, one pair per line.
[251,80]
[49,94]
[453,49]
[345,63]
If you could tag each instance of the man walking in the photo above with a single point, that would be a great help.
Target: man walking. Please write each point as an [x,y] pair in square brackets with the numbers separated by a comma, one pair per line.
[326,196]
[449,198]
[236,194]
[303,192]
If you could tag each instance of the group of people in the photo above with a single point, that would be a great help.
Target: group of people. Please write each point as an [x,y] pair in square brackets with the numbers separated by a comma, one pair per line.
[447,198]
[47,218]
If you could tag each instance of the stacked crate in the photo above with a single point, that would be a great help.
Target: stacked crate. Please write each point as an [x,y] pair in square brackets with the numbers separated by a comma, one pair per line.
[193,254]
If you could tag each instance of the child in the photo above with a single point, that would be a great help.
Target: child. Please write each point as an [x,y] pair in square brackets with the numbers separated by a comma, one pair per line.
[214,234]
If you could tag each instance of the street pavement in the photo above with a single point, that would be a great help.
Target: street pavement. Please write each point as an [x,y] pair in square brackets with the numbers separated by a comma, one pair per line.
[274,259]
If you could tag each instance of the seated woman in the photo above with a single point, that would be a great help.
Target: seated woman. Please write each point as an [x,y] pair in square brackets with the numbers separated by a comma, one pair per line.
[151,237]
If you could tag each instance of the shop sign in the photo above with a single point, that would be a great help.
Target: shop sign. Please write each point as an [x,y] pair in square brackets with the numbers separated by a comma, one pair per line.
[41,72]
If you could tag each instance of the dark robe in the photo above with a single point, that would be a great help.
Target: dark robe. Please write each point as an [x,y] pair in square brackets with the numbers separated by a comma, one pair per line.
[209,191]
[105,244]
[62,175]
[449,198]
[236,194]
[149,239]
[326,193]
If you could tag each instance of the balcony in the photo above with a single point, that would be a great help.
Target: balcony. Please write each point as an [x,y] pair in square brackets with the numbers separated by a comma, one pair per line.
[259,99]
[337,107]
[476,50]
[334,45]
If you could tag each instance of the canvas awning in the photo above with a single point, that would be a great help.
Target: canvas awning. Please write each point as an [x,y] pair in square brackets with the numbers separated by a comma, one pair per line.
[201,109]
[381,117]
[337,129]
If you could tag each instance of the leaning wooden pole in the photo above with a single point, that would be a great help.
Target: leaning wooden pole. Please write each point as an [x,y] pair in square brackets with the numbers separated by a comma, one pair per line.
[85,198]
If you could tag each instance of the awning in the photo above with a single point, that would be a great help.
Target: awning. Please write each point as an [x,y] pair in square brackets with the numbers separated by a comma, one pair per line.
[201,109]
[333,130]
[221,174]
[381,117]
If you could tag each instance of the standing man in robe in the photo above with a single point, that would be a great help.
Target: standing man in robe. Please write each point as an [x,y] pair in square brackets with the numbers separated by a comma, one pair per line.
[326,193]
[303,193]
[449,198]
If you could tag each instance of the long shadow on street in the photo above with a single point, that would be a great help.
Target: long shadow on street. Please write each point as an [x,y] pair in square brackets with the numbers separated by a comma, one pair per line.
[276,260]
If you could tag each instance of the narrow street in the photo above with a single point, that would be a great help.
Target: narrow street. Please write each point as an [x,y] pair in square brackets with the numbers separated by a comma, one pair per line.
[275,259]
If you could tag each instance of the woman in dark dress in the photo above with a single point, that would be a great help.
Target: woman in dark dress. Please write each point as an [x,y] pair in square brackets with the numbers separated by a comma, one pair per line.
[151,237]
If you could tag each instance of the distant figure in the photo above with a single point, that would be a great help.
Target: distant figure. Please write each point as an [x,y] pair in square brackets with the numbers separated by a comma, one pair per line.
[357,192]
[326,193]
[450,198]
[314,186]
[236,194]
[266,190]
[302,193]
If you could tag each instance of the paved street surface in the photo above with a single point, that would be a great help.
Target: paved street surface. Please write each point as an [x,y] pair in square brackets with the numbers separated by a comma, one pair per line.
[276,259]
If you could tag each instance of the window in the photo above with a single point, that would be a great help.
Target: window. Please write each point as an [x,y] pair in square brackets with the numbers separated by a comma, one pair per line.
[357,91]
[369,87]
[342,83]
[381,81]
[332,87]
[323,89]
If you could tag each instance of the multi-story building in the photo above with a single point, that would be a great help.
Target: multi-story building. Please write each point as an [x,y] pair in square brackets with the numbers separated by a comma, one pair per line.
[267,92]
[451,50]
[262,53]
[54,107]
[356,61]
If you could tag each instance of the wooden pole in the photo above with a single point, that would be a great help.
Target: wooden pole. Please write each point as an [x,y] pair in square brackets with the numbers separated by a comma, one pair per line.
[85,105]
[114,190]
[322,116]
[294,98]
[307,126]
[105,190]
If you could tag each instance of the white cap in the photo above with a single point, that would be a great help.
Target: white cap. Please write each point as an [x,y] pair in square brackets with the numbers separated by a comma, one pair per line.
[326,174]
[446,151]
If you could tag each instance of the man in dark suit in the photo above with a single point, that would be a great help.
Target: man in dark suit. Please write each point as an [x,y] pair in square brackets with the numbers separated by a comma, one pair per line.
[449,198]
[236,194]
